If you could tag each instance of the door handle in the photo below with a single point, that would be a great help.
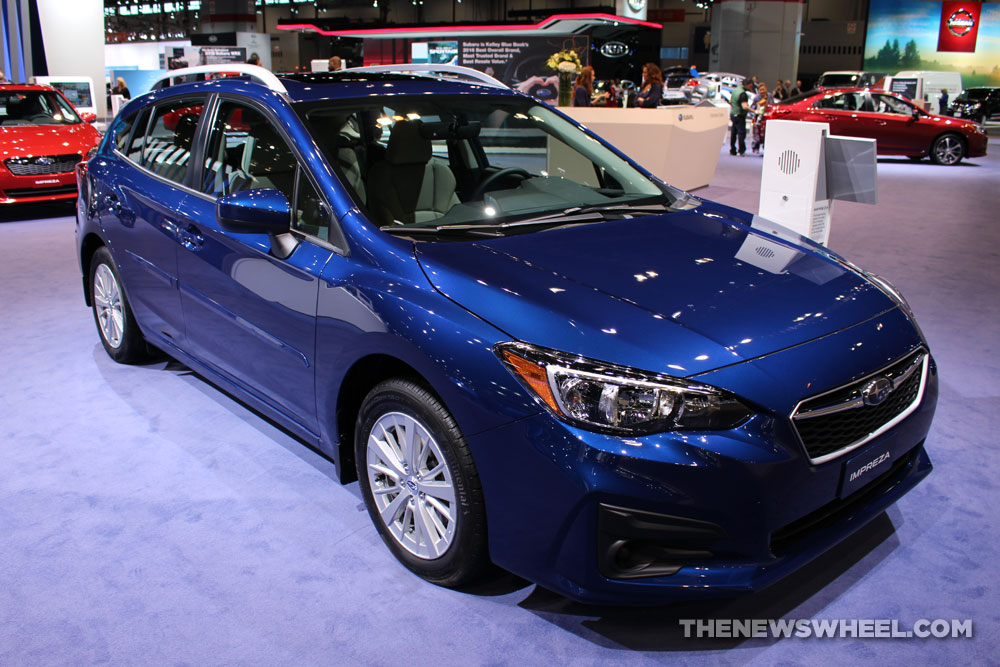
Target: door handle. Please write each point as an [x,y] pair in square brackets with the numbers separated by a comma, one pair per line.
[190,237]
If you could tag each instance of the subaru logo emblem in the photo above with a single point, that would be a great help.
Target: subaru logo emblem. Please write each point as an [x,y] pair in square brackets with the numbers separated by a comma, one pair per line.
[680,116]
[613,49]
[876,391]
[44,160]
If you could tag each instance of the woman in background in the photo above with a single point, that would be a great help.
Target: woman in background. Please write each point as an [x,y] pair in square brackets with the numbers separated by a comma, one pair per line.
[652,86]
[121,89]
[584,88]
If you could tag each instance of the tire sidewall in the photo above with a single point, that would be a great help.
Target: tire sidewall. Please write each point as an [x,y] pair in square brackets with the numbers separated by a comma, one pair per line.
[462,558]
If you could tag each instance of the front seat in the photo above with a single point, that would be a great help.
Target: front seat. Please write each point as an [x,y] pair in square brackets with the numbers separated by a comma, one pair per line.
[407,186]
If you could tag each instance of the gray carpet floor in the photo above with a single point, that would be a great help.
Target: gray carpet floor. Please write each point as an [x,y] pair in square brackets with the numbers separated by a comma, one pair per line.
[146,518]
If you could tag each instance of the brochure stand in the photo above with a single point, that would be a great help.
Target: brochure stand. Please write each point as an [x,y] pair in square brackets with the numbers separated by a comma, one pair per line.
[805,169]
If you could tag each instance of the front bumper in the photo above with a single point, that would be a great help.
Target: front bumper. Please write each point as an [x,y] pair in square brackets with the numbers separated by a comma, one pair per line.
[47,187]
[697,514]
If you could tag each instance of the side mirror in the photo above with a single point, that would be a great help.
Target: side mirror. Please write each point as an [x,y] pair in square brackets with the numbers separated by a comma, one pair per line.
[915,113]
[254,212]
[88,117]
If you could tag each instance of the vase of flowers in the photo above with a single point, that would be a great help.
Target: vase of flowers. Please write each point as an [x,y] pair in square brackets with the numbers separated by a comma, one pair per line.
[566,64]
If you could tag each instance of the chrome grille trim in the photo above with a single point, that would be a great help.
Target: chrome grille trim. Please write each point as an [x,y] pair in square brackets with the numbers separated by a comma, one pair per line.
[42,165]
[921,361]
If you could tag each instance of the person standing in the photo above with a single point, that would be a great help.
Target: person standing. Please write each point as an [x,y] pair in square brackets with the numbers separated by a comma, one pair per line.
[652,86]
[943,102]
[797,90]
[121,89]
[759,106]
[739,105]
[584,87]
[780,92]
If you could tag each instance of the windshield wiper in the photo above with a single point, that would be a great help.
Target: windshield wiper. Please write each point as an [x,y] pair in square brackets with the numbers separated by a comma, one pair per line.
[443,230]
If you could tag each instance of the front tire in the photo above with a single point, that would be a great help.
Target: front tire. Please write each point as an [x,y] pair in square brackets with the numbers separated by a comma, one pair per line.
[420,484]
[947,149]
[116,325]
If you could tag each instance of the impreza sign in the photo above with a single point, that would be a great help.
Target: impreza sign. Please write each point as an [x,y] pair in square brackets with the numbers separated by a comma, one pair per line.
[959,26]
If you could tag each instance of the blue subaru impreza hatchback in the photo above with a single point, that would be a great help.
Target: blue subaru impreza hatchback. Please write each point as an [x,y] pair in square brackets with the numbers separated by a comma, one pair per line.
[528,350]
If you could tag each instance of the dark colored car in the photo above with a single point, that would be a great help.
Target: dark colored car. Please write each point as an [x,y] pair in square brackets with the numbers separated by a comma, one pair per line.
[528,349]
[849,79]
[898,126]
[978,104]
[42,139]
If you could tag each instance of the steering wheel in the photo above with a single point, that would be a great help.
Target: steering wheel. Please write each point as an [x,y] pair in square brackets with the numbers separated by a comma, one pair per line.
[481,188]
[39,117]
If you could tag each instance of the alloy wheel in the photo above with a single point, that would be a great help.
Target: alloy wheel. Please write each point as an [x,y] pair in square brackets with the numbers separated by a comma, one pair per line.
[411,485]
[948,150]
[108,306]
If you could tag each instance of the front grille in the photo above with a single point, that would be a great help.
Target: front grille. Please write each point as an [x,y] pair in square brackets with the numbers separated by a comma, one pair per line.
[840,420]
[41,192]
[42,164]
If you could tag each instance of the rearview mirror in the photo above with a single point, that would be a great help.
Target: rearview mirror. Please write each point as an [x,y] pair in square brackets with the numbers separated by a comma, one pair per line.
[254,212]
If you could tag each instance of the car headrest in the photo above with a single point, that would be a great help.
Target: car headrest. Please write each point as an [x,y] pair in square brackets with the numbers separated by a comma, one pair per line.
[406,145]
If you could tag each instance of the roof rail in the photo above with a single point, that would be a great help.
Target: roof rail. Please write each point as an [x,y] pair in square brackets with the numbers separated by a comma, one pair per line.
[256,72]
[431,69]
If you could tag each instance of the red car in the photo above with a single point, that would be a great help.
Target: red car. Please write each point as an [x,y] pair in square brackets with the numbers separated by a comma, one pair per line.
[42,138]
[897,125]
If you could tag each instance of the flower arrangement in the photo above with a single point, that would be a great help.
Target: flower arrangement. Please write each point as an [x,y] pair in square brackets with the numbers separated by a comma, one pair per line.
[566,63]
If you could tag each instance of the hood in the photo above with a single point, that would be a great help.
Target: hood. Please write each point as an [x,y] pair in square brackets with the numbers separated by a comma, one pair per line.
[680,293]
[31,140]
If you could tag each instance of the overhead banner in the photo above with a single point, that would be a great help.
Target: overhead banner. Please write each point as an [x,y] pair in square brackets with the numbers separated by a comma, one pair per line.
[959,26]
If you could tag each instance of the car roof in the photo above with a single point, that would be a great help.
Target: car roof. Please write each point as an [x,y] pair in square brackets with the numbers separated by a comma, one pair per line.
[344,85]
[24,86]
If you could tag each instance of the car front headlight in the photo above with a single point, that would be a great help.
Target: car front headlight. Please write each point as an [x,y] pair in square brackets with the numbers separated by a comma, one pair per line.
[615,399]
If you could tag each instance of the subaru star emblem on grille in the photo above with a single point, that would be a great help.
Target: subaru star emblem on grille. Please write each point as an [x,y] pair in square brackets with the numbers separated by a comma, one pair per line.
[45,160]
[876,391]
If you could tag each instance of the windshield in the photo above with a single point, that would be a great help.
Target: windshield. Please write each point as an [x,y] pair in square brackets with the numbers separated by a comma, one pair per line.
[840,81]
[35,107]
[977,93]
[425,163]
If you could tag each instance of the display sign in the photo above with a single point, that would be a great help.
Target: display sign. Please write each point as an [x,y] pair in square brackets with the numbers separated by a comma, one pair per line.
[936,36]
[435,53]
[959,26]
[905,87]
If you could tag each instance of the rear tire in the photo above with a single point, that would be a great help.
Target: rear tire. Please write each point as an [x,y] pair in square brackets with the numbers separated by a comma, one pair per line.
[420,484]
[947,149]
[116,326]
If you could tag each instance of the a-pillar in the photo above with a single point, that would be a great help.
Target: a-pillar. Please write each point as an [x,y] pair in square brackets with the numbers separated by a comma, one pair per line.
[759,37]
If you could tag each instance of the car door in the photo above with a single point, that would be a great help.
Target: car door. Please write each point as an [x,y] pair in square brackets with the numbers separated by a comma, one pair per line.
[841,111]
[140,201]
[249,305]
[899,131]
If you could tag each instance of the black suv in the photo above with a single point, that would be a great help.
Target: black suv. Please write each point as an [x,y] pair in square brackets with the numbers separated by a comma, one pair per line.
[978,104]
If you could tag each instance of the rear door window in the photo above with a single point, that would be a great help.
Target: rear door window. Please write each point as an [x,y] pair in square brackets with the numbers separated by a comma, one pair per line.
[167,148]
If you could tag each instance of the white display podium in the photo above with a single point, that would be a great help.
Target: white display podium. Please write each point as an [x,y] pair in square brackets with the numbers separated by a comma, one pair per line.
[805,169]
